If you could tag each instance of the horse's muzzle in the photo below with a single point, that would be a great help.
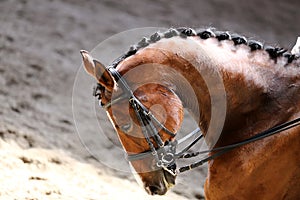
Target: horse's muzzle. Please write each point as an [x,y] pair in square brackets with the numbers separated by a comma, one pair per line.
[156,190]
[163,185]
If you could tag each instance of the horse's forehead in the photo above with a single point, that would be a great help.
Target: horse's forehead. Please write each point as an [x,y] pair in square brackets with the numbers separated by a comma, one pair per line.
[154,93]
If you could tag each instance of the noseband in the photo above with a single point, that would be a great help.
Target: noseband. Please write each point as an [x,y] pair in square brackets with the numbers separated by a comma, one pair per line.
[165,154]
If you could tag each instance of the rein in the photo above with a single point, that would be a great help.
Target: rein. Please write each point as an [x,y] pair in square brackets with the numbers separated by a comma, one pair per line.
[165,154]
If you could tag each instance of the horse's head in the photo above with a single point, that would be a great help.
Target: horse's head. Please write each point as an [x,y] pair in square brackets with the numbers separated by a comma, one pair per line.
[137,130]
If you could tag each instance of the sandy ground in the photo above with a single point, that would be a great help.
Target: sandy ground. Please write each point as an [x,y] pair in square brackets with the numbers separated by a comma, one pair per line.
[41,155]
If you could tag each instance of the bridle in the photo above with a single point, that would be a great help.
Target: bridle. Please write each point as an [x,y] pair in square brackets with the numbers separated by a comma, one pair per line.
[165,154]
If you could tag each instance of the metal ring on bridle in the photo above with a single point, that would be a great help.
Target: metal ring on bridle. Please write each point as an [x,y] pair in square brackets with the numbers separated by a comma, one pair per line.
[165,157]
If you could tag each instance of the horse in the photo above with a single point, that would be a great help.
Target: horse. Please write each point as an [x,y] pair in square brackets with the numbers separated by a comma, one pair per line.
[146,90]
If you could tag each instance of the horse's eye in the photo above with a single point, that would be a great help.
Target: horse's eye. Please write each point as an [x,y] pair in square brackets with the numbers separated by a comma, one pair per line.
[126,127]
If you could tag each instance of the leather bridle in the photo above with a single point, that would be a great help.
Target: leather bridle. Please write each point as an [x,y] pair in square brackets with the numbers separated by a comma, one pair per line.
[164,153]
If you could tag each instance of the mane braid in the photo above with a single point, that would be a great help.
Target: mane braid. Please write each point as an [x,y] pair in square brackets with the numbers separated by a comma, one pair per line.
[183,32]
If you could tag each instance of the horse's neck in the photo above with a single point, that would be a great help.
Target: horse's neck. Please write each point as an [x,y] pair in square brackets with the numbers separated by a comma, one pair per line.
[259,100]
[258,90]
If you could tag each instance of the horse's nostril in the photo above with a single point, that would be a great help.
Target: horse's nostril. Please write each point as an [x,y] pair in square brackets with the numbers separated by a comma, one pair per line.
[153,190]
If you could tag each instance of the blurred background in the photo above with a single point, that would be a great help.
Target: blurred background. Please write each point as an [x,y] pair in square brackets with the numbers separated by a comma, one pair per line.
[41,156]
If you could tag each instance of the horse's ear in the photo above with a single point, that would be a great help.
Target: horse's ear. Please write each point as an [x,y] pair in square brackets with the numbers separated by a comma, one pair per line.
[97,70]
[104,76]
[88,62]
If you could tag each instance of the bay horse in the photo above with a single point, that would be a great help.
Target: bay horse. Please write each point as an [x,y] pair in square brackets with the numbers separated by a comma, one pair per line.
[146,90]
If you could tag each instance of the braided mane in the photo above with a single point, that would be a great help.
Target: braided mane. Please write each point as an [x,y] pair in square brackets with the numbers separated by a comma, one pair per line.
[274,52]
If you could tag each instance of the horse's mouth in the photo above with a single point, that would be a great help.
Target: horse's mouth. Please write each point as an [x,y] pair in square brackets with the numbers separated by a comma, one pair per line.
[166,182]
